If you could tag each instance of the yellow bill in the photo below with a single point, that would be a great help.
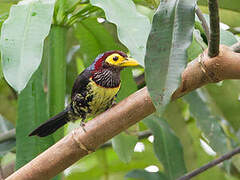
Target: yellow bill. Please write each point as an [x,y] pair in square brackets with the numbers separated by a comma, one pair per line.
[129,62]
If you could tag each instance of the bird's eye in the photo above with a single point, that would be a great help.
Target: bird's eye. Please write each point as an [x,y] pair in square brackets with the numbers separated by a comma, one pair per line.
[115,58]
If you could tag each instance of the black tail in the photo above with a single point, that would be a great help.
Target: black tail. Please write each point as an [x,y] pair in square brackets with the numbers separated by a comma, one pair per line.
[51,125]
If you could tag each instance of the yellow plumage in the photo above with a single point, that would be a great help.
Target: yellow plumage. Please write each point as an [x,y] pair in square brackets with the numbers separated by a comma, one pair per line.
[102,97]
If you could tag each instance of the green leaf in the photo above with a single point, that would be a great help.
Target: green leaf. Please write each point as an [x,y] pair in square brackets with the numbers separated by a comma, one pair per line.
[227,38]
[32,111]
[22,39]
[197,46]
[145,11]
[9,144]
[74,67]
[206,121]
[123,145]
[166,54]
[128,85]
[201,157]
[133,28]
[93,39]
[167,147]
[226,99]
[176,114]
[144,175]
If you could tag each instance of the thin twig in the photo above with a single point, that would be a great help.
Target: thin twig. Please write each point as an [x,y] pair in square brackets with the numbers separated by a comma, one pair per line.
[213,44]
[204,22]
[210,164]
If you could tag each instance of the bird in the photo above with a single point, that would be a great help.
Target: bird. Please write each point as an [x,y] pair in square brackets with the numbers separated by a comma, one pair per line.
[93,92]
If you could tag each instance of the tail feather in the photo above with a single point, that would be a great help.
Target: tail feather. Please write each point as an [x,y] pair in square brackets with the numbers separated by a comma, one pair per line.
[51,125]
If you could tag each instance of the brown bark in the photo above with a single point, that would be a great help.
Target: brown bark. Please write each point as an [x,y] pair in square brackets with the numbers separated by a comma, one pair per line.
[214,38]
[204,70]
[128,112]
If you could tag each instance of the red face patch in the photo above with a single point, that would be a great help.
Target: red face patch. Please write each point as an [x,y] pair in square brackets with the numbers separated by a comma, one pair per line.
[99,61]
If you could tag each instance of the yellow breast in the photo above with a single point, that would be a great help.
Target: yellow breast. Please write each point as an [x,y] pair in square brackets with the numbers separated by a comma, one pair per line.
[102,97]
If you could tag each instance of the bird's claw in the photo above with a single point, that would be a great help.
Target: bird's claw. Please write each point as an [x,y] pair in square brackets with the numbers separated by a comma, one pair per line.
[82,124]
[114,103]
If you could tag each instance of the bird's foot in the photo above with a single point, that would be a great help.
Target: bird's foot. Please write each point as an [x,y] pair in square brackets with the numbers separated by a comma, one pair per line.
[114,103]
[82,124]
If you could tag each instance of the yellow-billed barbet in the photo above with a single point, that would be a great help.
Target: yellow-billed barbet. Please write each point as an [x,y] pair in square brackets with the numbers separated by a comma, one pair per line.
[93,92]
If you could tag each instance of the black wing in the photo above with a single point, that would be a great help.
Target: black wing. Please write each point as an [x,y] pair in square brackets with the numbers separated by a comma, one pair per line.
[81,83]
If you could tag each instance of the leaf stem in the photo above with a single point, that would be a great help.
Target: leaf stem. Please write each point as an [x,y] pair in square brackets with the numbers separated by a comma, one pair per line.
[214,39]
[57,71]
[210,164]
[204,22]
[81,14]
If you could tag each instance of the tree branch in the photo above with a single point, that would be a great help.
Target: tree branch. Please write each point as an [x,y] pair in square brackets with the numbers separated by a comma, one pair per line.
[204,70]
[210,164]
[78,143]
[214,39]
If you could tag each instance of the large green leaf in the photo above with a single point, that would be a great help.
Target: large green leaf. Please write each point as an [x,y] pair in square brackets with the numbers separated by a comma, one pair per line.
[176,114]
[206,121]
[144,175]
[167,147]
[133,27]
[226,99]
[22,39]
[123,144]
[32,111]
[201,157]
[166,54]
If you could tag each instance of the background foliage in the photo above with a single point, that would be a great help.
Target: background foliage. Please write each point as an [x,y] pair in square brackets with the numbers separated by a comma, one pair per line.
[45,44]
